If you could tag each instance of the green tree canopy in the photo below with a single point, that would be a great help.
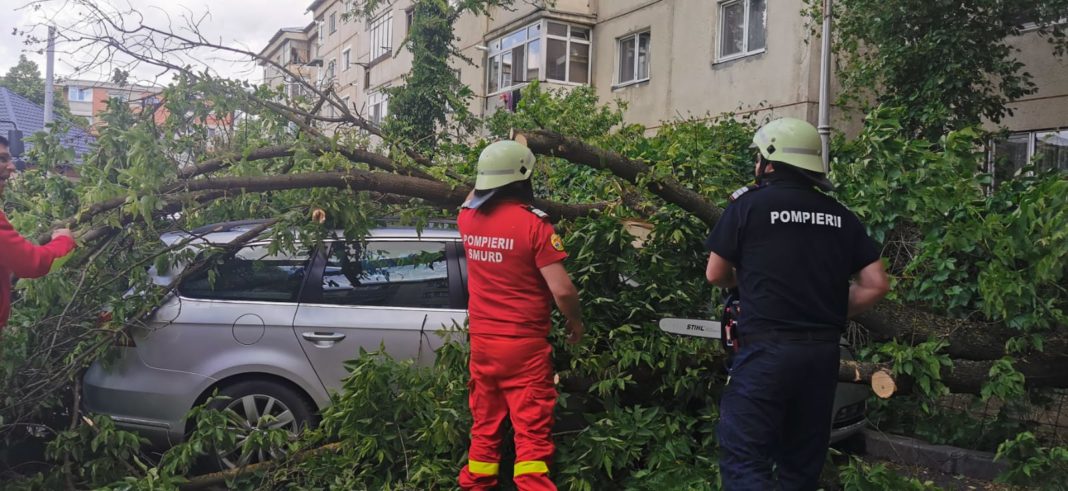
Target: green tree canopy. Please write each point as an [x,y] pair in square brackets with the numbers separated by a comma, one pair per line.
[951,63]
[25,79]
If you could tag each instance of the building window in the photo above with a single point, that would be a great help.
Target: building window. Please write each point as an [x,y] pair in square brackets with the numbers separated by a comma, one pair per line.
[409,18]
[78,94]
[519,57]
[1046,150]
[346,59]
[378,106]
[367,78]
[567,53]
[121,96]
[333,22]
[742,27]
[633,58]
[381,30]
[331,71]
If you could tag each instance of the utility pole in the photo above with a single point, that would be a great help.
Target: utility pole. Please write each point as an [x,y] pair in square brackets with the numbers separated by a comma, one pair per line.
[49,102]
[825,89]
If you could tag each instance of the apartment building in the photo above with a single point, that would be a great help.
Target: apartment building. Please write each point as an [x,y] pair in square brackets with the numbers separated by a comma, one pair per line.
[89,98]
[1039,124]
[667,59]
[291,48]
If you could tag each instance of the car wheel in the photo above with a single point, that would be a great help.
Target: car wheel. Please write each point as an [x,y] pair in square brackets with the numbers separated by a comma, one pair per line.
[259,405]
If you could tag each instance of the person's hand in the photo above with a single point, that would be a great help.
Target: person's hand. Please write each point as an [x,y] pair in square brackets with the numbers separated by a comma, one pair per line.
[62,232]
[574,331]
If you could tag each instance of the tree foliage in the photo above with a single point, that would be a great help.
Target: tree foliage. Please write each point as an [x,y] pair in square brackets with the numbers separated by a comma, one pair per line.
[25,79]
[951,64]
[637,408]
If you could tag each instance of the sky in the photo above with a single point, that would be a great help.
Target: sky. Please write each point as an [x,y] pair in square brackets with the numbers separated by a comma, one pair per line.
[243,23]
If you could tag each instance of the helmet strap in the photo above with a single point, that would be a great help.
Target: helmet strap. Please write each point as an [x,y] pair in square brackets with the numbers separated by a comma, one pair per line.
[762,168]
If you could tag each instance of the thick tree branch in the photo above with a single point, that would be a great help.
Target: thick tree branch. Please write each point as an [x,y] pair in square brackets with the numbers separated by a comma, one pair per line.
[969,340]
[579,152]
[358,180]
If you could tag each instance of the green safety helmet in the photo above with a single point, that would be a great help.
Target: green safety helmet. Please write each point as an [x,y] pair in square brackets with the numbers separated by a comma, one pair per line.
[500,164]
[793,142]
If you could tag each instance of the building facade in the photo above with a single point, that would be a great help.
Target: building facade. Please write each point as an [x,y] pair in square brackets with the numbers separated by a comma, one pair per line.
[88,98]
[667,59]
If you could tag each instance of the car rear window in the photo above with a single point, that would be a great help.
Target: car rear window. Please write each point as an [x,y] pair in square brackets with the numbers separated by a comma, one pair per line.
[253,273]
[387,274]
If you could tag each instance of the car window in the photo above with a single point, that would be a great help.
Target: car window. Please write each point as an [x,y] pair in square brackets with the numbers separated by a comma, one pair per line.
[253,273]
[387,274]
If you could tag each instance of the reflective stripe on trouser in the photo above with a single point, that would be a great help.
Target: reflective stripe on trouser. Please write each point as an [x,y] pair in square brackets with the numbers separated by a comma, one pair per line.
[510,378]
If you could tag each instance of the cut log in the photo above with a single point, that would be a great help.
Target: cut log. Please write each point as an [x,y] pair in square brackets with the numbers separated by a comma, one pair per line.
[879,376]
[966,376]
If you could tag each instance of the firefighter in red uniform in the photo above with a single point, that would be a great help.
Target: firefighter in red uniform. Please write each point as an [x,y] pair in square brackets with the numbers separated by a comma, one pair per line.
[18,256]
[515,271]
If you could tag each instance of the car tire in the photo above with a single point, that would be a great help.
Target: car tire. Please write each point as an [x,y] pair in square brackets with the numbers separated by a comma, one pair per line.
[250,400]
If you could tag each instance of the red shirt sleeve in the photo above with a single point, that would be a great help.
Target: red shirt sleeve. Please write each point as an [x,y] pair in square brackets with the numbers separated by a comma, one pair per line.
[25,259]
[548,246]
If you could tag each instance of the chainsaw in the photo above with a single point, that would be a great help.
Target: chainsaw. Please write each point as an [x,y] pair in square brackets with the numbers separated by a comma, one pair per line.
[723,330]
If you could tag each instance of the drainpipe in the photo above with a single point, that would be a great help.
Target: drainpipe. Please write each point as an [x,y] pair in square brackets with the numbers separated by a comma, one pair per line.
[825,88]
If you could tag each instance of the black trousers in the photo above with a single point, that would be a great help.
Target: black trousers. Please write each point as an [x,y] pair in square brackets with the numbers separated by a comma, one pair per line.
[775,415]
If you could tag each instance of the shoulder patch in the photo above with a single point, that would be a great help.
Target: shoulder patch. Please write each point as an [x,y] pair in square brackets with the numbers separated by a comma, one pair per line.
[742,190]
[538,213]
[557,242]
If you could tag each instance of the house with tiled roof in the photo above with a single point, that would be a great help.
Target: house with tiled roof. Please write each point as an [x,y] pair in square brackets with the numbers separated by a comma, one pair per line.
[17,112]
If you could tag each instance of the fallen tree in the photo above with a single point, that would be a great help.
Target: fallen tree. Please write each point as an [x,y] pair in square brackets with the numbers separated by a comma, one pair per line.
[968,340]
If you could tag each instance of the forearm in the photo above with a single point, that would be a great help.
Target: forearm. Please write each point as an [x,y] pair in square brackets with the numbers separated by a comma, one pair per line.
[728,280]
[27,260]
[569,305]
[862,298]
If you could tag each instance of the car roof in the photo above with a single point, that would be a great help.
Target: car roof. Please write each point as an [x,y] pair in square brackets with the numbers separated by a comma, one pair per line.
[226,232]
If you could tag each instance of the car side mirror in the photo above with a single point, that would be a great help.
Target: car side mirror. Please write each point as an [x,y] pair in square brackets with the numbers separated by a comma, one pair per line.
[14,143]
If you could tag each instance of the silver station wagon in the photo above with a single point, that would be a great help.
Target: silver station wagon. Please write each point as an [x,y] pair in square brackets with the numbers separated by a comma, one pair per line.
[272,331]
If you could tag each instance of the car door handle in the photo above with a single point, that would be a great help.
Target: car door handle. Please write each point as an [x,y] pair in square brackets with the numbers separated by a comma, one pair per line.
[323,339]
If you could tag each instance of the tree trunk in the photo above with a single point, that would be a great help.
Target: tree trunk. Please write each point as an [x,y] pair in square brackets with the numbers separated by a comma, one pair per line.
[969,340]
[966,376]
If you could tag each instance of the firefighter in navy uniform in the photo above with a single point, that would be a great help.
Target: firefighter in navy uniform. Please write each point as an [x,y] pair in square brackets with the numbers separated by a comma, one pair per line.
[803,264]
[515,273]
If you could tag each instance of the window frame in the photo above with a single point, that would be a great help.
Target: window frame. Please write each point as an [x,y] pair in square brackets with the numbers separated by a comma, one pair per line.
[333,23]
[346,59]
[376,53]
[81,93]
[635,38]
[495,52]
[455,273]
[377,98]
[745,52]
[570,39]
[309,265]
[1032,149]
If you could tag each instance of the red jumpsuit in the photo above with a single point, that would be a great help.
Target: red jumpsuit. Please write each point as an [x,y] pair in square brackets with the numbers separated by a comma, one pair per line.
[511,365]
[21,258]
